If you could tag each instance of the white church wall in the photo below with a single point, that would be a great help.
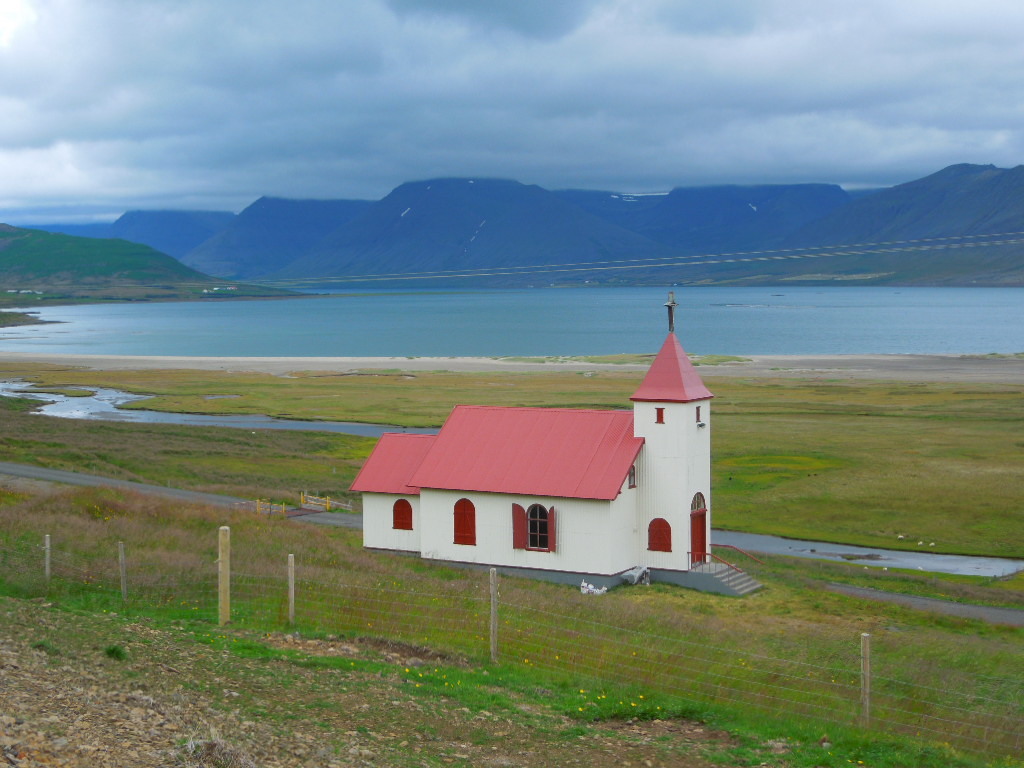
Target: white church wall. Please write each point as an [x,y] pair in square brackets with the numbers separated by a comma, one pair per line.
[378,520]
[591,536]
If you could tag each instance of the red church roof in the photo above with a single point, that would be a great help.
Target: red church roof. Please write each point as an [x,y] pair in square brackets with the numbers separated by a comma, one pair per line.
[392,462]
[532,451]
[672,377]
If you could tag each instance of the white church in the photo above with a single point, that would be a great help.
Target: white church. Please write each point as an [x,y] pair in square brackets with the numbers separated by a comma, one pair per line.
[604,497]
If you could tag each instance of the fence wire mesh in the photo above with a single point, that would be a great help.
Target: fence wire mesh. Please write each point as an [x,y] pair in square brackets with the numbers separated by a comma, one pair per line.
[569,640]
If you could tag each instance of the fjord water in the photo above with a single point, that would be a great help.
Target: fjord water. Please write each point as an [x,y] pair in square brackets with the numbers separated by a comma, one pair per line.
[546,321]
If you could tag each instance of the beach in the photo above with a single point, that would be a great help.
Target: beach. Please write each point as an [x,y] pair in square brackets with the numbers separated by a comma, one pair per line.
[923,368]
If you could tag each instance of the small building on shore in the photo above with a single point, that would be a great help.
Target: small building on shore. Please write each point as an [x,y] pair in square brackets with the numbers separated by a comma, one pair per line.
[595,496]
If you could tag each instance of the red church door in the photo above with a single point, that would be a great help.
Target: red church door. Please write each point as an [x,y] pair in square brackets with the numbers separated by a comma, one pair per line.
[698,530]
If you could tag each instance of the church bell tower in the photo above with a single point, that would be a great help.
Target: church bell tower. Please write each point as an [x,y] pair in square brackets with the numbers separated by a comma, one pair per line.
[672,412]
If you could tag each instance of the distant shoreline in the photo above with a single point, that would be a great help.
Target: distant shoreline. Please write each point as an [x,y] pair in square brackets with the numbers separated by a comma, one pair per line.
[995,369]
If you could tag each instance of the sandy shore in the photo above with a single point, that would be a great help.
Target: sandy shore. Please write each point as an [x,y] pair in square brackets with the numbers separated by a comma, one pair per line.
[954,368]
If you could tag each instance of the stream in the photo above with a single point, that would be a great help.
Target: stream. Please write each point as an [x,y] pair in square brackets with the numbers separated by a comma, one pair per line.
[105,405]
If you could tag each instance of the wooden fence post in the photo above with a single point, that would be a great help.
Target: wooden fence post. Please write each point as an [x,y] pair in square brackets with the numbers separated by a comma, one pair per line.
[124,571]
[46,557]
[224,576]
[494,615]
[291,589]
[865,680]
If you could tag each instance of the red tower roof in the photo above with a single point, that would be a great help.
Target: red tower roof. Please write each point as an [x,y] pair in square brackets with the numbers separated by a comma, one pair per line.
[672,377]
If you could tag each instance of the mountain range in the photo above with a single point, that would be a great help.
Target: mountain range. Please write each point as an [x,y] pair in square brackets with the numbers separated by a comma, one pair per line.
[957,226]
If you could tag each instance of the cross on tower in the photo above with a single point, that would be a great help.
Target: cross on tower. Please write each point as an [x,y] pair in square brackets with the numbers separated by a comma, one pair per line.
[671,304]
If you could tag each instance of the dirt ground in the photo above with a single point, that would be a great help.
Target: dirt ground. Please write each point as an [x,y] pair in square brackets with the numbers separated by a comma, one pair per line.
[99,691]
[960,368]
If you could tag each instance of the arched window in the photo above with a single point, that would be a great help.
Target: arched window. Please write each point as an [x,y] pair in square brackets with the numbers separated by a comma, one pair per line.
[698,504]
[533,528]
[541,524]
[659,535]
[465,522]
[401,515]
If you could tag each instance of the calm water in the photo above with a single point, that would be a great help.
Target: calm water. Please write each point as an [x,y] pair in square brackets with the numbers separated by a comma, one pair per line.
[554,321]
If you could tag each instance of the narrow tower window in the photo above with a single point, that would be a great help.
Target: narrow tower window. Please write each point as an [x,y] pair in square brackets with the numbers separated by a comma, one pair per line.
[659,415]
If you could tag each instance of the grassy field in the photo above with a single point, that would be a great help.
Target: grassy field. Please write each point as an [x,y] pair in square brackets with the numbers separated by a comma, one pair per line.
[776,672]
[844,461]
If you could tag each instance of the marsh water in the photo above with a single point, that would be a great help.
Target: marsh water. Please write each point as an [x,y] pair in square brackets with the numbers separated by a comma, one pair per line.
[104,404]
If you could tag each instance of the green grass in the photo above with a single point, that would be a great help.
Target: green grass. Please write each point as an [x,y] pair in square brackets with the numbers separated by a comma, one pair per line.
[115,652]
[756,667]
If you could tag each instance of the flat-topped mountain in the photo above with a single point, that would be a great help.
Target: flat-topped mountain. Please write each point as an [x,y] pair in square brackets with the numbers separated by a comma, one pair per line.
[958,200]
[172,232]
[459,225]
[270,234]
[713,219]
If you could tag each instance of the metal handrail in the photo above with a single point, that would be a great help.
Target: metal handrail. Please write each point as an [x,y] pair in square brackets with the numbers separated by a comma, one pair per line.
[742,552]
[704,561]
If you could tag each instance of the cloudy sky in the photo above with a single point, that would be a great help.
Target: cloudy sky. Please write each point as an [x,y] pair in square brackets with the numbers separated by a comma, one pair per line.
[114,104]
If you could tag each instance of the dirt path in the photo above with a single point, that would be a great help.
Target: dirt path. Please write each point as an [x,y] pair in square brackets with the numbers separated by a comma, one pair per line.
[1011,616]
[79,478]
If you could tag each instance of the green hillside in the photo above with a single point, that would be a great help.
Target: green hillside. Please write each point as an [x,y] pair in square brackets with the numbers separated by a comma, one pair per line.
[43,266]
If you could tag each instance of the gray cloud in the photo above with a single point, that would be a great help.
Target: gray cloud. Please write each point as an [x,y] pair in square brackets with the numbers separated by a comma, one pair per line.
[204,103]
[533,18]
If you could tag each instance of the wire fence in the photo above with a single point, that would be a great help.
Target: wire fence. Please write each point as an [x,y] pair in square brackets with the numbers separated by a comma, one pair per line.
[571,640]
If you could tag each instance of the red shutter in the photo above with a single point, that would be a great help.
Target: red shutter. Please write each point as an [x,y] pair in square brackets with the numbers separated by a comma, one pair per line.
[552,527]
[520,535]
[402,515]
[465,522]
[659,535]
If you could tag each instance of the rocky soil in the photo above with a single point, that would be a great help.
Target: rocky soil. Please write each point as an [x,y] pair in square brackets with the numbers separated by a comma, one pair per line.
[100,691]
